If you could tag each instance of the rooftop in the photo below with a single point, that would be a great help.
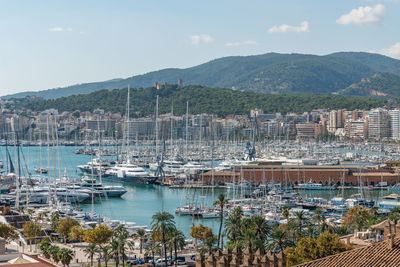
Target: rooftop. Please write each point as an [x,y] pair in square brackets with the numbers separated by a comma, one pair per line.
[376,254]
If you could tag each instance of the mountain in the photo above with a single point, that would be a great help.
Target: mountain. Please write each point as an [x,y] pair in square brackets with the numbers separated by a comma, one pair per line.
[380,84]
[268,73]
[201,99]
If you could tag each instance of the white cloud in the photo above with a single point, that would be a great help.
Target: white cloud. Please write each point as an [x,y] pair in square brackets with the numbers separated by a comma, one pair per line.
[56,29]
[304,27]
[393,51]
[201,38]
[60,29]
[363,15]
[247,42]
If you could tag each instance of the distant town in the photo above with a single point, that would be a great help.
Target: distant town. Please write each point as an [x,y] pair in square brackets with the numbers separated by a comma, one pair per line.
[380,124]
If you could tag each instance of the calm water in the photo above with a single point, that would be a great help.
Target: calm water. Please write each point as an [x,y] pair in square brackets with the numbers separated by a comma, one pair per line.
[141,201]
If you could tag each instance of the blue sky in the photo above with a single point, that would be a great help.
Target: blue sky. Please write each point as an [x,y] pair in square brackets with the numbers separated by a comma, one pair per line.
[47,44]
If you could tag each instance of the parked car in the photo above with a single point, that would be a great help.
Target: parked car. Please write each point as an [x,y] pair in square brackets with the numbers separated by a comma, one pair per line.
[163,262]
[138,261]
[180,262]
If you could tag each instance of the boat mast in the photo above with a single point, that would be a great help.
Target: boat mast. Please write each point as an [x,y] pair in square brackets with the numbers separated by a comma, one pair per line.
[128,126]
[48,158]
[54,161]
[100,162]
[187,122]
[156,126]
[172,139]
[17,181]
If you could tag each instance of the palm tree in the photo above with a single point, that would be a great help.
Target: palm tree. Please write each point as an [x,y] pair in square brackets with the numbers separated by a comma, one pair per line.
[318,218]
[141,235]
[54,252]
[278,239]
[394,215]
[285,212]
[65,255]
[152,249]
[107,254]
[300,217]
[177,241]
[233,224]
[162,223]
[90,251]
[114,247]
[261,231]
[221,202]
[122,236]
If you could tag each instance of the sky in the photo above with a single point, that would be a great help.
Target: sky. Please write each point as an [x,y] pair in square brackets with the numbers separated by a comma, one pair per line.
[49,44]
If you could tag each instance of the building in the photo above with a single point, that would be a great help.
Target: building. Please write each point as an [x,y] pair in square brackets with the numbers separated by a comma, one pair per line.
[305,131]
[336,120]
[381,254]
[356,129]
[395,124]
[238,258]
[378,124]
[255,112]
[295,174]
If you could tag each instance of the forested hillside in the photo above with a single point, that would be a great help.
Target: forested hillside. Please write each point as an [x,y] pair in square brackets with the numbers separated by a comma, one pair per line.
[201,100]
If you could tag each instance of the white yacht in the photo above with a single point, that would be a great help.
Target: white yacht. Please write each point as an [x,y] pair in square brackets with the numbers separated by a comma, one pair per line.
[40,194]
[128,172]
[95,166]
[191,169]
[91,185]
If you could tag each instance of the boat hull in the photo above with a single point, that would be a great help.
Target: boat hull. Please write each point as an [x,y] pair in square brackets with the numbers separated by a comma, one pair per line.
[131,179]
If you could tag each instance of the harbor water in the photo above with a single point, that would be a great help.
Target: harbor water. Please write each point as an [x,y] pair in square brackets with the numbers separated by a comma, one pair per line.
[140,202]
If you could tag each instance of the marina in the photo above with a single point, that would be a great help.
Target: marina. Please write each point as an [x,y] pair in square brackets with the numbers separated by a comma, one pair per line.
[189,195]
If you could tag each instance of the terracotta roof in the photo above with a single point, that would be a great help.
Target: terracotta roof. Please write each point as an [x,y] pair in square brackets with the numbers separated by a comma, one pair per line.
[375,255]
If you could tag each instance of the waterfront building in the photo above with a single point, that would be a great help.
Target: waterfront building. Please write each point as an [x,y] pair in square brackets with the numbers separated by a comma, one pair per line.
[295,174]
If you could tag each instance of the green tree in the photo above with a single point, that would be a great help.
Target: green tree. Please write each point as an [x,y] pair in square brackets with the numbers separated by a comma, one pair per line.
[8,232]
[300,217]
[261,231]
[278,240]
[319,218]
[44,246]
[64,227]
[285,210]
[177,241]
[90,251]
[162,223]
[54,253]
[77,233]
[394,215]
[200,232]
[233,227]
[122,236]
[356,218]
[309,248]
[65,255]
[98,236]
[31,230]
[221,202]
[106,251]
[141,236]
[54,218]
